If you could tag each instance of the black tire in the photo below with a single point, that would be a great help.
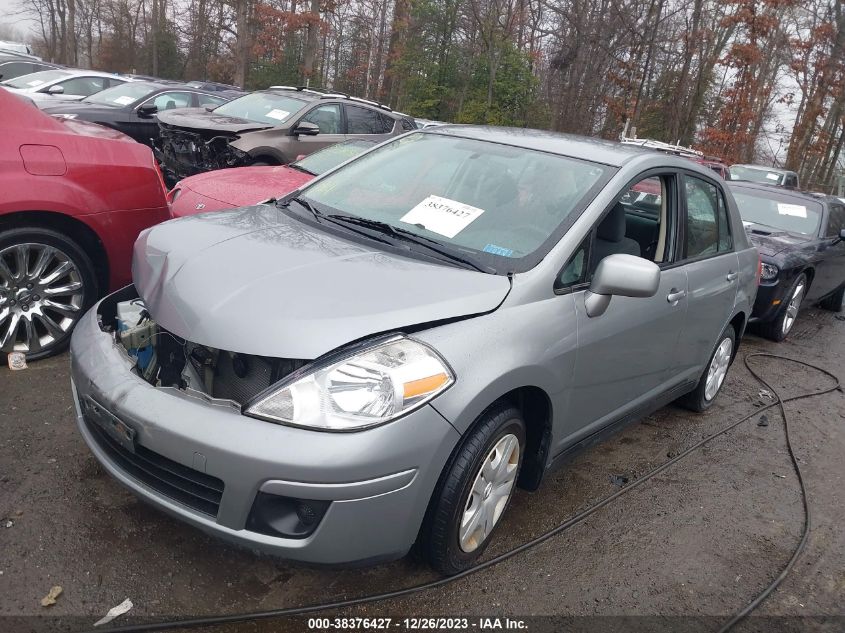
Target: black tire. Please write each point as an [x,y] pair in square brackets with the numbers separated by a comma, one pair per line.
[439,541]
[776,329]
[697,400]
[69,249]
[834,301]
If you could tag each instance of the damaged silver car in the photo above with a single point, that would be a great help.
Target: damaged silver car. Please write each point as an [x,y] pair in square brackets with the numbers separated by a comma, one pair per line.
[379,359]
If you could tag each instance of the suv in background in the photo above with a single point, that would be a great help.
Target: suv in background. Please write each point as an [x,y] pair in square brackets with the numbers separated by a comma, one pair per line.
[765,175]
[270,127]
[13,65]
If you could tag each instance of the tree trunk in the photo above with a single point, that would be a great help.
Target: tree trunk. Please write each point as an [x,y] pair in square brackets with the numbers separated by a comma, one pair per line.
[311,42]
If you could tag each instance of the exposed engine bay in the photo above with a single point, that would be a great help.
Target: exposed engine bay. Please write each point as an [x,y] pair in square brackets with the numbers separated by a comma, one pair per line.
[183,153]
[165,360]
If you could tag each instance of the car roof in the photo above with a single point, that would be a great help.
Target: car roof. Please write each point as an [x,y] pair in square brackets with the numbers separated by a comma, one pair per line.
[774,170]
[765,187]
[593,149]
[81,72]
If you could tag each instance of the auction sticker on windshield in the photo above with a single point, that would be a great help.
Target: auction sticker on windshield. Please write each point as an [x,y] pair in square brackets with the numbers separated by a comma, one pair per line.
[441,215]
[124,100]
[279,115]
[798,210]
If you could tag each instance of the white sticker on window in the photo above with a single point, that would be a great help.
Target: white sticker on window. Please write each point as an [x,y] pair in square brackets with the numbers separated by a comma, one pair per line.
[124,100]
[36,82]
[279,115]
[772,176]
[797,210]
[441,215]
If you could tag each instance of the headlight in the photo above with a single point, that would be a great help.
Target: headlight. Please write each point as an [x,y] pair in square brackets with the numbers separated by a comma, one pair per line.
[768,271]
[367,388]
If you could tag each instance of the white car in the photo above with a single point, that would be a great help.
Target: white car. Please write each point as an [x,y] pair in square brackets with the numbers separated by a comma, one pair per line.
[49,87]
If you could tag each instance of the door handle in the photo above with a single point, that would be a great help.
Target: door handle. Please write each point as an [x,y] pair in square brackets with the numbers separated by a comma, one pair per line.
[676,295]
[731,276]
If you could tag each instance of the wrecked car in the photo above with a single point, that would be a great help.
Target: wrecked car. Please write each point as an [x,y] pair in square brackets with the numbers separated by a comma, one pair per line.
[241,186]
[269,127]
[381,357]
[801,239]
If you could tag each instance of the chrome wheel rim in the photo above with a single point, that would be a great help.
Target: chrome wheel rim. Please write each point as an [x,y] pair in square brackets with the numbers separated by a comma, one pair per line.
[792,307]
[718,369]
[41,297]
[490,492]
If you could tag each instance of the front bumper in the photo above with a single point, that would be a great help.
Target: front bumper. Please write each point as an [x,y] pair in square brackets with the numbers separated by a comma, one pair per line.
[770,296]
[378,481]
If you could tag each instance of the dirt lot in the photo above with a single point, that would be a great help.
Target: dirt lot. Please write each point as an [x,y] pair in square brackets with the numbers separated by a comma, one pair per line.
[692,546]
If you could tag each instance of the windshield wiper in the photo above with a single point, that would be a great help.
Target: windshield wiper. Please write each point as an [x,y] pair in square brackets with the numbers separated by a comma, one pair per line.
[407,236]
[303,203]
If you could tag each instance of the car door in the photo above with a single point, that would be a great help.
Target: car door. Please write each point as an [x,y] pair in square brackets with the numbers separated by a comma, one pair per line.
[142,127]
[329,119]
[712,269]
[830,266]
[626,355]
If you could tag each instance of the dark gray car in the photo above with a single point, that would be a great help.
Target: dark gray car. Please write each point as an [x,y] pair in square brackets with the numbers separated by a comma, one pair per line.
[270,127]
[380,358]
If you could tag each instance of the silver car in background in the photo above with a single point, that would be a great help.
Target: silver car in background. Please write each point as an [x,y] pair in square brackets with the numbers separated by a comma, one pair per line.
[380,358]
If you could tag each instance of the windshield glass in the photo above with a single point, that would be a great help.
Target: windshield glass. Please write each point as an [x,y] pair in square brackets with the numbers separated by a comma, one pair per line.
[784,212]
[753,174]
[122,95]
[332,156]
[34,80]
[503,206]
[261,107]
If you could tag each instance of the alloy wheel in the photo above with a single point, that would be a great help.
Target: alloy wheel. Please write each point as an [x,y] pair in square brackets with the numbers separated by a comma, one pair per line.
[718,369]
[792,308]
[489,494]
[41,297]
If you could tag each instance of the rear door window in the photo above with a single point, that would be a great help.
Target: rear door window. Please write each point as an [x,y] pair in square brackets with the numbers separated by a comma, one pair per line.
[836,221]
[366,121]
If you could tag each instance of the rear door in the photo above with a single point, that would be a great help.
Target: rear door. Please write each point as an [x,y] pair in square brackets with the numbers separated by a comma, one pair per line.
[830,268]
[712,269]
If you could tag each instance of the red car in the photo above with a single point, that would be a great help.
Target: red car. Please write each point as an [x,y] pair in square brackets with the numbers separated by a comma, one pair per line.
[75,197]
[242,186]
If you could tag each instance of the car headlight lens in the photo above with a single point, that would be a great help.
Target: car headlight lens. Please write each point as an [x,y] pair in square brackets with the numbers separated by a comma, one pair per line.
[365,389]
[768,271]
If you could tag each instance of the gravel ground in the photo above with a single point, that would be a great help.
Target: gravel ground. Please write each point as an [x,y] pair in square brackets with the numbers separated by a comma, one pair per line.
[681,552]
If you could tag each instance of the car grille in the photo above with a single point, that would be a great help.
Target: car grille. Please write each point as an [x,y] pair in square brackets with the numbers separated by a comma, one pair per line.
[189,487]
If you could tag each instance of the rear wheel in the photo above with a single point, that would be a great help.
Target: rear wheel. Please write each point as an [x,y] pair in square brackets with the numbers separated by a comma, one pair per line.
[46,284]
[474,491]
[782,324]
[834,301]
[711,381]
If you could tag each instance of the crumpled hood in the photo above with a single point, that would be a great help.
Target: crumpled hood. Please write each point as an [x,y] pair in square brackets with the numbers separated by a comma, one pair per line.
[202,119]
[256,281]
[776,242]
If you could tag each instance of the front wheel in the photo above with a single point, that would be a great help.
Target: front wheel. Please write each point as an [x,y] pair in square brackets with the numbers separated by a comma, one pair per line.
[474,491]
[46,284]
[781,325]
[711,381]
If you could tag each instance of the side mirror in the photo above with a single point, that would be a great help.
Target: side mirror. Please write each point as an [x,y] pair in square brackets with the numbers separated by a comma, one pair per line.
[147,111]
[56,90]
[623,275]
[307,128]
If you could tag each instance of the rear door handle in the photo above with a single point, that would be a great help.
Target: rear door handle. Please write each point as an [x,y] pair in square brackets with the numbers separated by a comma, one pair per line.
[676,295]
[731,276]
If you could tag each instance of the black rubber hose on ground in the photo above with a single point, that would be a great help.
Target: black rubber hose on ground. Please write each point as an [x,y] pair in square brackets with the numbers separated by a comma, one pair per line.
[578,518]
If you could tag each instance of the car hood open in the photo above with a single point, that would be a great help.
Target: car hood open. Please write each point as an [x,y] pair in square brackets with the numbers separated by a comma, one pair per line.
[256,281]
[201,119]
